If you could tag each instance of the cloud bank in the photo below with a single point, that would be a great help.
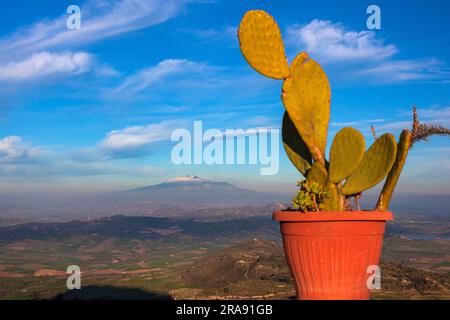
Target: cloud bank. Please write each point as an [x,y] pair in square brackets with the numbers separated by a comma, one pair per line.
[14,150]
[361,54]
[148,76]
[46,64]
[100,20]
[332,42]
[45,48]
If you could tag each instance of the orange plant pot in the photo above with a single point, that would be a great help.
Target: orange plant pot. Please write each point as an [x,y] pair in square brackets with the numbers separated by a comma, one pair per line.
[329,253]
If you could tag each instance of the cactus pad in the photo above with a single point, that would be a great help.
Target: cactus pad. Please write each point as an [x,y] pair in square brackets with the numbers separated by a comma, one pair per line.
[318,173]
[403,146]
[261,44]
[374,166]
[295,147]
[306,97]
[347,151]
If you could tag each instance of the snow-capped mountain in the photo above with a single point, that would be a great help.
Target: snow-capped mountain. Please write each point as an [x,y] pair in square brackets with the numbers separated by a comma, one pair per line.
[192,190]
[187,179]
[188,183]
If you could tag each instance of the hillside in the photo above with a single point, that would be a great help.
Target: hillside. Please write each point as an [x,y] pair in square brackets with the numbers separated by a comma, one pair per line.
[154,258]
[151,228]
[257,269]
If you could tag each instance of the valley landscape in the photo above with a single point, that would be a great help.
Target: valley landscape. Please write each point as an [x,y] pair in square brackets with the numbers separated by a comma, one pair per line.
[151,150]
[198,252]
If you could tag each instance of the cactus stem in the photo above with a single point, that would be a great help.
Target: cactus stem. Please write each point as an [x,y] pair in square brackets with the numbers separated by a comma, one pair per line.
[423,131]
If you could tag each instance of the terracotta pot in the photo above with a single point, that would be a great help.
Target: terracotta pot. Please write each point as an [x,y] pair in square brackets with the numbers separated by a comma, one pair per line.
[329,252]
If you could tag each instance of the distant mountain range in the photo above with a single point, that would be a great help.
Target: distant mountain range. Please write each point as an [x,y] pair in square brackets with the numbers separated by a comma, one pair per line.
[185,196]
[187,183]
[195,191]
[173,230]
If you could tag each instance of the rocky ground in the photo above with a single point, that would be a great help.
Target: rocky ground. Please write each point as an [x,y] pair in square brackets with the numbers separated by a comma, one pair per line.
[256,269]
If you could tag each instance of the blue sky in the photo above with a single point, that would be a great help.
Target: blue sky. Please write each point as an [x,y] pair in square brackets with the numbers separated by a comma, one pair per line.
[91,110]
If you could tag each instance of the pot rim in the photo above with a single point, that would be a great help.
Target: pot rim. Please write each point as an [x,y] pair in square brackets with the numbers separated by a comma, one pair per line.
[295,216]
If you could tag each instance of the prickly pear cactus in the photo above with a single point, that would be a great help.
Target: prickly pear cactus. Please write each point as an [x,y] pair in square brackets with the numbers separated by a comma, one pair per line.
[375,165]
[262,45]
[295,147]
[306,97]
[347,151]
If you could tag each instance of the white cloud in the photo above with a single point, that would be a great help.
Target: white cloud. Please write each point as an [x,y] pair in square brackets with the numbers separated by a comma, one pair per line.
[360,54]
[227,33]
[20,160]
[136,137]
[152,75]
[405,70]
[13,149]
[434,113]
[46,64]
[99,20]
[332,42]
[364,122]
[106,71]
[399,125]
[35,51]
[433,116]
